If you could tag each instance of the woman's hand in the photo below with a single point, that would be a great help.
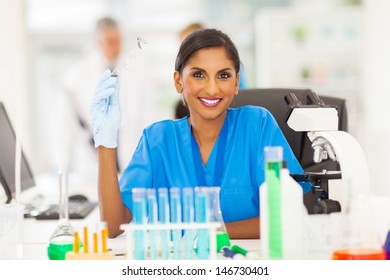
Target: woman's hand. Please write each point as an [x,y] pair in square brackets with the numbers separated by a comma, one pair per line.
[104,111]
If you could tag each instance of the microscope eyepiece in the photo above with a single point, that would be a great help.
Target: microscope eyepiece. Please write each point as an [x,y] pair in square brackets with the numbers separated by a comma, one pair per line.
[313,99]
[292,100]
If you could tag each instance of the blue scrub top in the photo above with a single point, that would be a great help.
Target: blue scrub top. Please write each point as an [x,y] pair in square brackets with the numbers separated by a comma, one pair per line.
[164,158]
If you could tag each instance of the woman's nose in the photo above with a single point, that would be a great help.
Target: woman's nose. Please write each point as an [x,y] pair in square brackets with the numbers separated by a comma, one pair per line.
[211,87]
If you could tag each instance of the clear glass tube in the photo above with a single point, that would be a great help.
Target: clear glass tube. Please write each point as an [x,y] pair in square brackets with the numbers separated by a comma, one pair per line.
[188,217]
[153,219]
[202,215]
[132,59]
[175,206]
[163,213]
[139,217]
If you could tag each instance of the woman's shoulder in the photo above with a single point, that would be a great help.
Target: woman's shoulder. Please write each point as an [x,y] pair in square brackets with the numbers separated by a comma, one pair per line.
[165,127]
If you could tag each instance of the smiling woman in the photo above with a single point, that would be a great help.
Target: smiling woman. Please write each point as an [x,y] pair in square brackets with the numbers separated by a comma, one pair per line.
[215,146]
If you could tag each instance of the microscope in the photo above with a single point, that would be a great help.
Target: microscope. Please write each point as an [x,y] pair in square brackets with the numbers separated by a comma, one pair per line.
[337,188]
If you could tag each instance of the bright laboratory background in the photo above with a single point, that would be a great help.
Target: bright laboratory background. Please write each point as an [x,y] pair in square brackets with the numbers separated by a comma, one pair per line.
[335,47]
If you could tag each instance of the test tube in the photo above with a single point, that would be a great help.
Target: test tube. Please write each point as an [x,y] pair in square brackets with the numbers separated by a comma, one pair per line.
[132,59]
[175,206]
[188,217]
[153,219]
[104,236]
[163,212]
[96,241]
[86,239]
[202,215]
[76,243]
[139,217]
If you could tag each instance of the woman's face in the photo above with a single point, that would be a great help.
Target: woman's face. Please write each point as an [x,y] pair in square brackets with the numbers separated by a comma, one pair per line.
[208,83]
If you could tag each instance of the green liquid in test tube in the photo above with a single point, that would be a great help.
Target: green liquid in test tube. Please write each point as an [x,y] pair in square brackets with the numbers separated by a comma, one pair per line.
[273,164]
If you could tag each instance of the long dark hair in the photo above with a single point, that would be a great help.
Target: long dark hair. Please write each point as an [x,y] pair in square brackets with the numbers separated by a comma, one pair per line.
[206,38]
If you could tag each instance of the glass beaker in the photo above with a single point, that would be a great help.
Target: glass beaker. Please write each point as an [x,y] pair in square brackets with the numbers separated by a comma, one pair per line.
[61,241]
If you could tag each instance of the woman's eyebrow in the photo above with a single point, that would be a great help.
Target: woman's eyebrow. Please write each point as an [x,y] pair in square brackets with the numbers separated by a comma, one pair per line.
[197,68]
[226,69]
[221,70]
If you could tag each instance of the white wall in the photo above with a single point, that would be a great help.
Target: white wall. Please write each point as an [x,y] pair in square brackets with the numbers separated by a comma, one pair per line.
[14,83]
[375,135]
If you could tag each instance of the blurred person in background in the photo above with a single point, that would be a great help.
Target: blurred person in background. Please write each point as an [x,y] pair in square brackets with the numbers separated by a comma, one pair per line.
[73,134]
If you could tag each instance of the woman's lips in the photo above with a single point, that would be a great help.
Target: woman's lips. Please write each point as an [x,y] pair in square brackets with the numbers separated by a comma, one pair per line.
[210,102]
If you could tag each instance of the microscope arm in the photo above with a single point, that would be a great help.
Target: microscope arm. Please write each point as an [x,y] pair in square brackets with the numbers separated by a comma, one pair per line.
[353,164]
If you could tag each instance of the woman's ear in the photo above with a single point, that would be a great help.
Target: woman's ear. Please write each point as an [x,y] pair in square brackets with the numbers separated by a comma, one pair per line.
[237,83]
[178,85]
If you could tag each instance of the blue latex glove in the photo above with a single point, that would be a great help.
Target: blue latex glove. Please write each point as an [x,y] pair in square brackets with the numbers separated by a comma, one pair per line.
[104,111]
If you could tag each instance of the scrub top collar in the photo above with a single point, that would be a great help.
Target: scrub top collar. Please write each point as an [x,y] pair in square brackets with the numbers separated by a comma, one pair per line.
[200,169]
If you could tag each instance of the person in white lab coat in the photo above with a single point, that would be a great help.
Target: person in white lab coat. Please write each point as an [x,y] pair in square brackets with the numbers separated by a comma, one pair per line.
[74,136]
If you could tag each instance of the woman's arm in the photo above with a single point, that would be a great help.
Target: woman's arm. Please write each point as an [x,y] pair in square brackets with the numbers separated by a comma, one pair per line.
[112,209]
[105,120]
[245,229]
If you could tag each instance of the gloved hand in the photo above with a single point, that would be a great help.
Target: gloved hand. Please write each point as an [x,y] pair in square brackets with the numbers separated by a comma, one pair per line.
[104,111]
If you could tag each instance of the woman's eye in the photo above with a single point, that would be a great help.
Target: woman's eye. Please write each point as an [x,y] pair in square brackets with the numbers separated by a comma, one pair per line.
[224,75]
[198,75]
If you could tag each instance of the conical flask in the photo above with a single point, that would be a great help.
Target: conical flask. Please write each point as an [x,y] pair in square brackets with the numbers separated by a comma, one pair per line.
[61,241]
[223,239]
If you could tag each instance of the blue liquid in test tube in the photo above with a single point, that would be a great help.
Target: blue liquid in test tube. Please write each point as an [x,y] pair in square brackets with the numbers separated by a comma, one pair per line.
[202,215]
[163,213]
[153,219]
[175,206]
[139,207]
[188,217]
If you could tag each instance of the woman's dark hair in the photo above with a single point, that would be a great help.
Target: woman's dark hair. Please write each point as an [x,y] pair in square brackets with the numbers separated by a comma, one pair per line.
[206,38]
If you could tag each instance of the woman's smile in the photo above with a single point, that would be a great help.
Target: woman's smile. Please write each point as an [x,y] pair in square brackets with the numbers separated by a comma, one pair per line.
[210,102]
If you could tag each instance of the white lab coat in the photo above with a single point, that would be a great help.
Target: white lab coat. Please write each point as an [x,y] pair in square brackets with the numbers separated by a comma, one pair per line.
[72,142]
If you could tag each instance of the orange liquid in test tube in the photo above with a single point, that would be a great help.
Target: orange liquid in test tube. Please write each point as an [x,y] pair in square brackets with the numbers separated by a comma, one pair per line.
[76,243]
[104,239]
[95,242]
[85,239]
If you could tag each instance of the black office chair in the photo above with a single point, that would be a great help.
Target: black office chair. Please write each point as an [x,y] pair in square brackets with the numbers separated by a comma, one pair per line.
[273,100]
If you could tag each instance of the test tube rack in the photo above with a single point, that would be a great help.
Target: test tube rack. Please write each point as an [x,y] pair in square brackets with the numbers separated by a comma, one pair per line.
[132,229]
[81,250]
